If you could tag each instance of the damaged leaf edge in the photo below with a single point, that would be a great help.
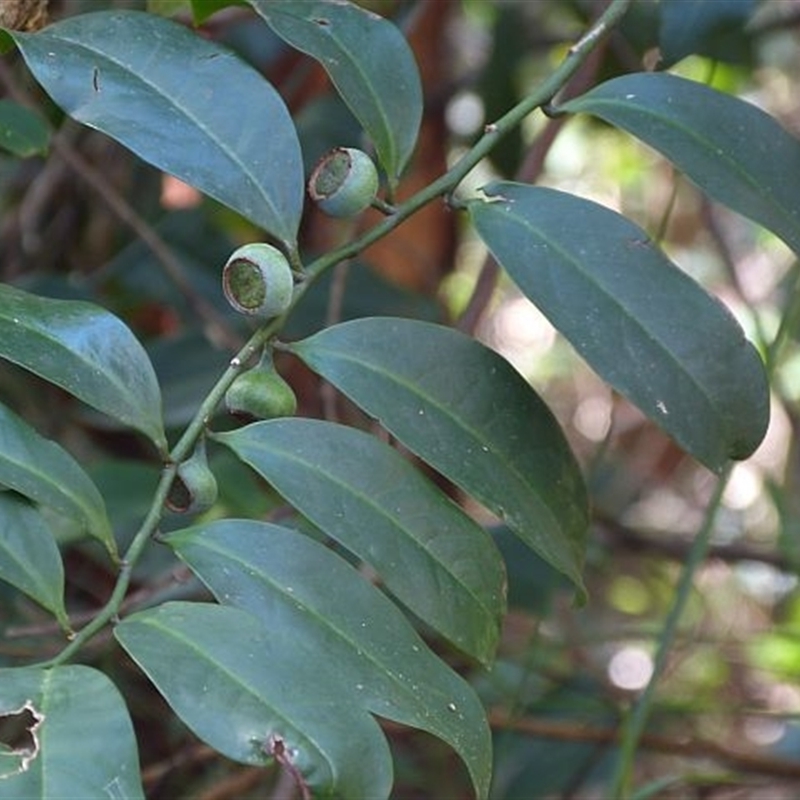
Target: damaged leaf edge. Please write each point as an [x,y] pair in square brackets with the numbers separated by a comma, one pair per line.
[26,754]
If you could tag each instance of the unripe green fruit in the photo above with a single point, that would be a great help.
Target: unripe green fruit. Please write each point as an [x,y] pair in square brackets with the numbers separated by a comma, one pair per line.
[260,393]
[194,487]
[258,280]
[344,182]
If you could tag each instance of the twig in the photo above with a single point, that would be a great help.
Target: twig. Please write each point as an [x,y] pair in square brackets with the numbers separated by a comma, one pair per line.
[622,537]
[634,725]
[442,186]
[691,748]
[530,169]
[448,182]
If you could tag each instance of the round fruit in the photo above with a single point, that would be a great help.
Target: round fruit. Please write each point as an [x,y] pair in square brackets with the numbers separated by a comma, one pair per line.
[260,393]
[194,487]
[344,182]
[258,280]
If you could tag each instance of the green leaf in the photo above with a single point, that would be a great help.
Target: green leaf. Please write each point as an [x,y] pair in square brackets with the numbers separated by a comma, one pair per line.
[368,655]
[243,687]
[29,556]
[364,494]
[203,9]
[180,102]
[80,737]
[646,327]
[45,472]
[369,62]
[695,26]
[22,131]
[732,150]
[85,350]
[466,411]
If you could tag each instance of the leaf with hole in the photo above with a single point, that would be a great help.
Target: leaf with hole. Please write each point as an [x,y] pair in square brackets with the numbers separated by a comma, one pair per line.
[46,473]
[182,103]
[67,712]
[364,494]
[29,557]
[86,351]
[731,149]
[367,654]
[369,62]
[465,410]
[646,327]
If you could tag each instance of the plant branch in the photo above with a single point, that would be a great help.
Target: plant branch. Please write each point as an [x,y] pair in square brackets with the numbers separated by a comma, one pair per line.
[695,748]
[528,172]
[634,725]
[149,525]
[447,183]
[622,537]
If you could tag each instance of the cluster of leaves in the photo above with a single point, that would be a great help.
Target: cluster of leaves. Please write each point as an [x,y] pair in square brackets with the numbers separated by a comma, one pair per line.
[313,629]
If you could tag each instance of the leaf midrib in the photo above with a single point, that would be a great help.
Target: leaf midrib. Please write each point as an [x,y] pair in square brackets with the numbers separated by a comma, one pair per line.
[204,655]
[733,166]
[388,129]
[393,521]
[126,413]
[484,445]
[185,111]
[614,301]
[343,636]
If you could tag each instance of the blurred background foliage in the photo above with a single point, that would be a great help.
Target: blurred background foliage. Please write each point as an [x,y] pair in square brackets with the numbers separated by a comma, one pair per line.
[83,218]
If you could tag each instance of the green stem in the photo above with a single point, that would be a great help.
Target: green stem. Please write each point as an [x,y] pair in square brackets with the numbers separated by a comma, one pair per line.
[149,525]
[789,322]
[444,185]
[448,182]
[634,725]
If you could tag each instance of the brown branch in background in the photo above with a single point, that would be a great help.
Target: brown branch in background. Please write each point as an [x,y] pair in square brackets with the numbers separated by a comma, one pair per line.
[188,757]
[621,537]
[216,327]
[689,748]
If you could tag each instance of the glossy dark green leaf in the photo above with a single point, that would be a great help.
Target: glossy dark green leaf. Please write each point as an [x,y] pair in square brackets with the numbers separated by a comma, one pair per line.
[43,471]
[368,655]
[364,494]
[369,62]
[732,150]
[466,411]
[644,325]
[81,742]
[22,131]
[696,26]
[182,103]
[243,687]
[29,556]
[85,350]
